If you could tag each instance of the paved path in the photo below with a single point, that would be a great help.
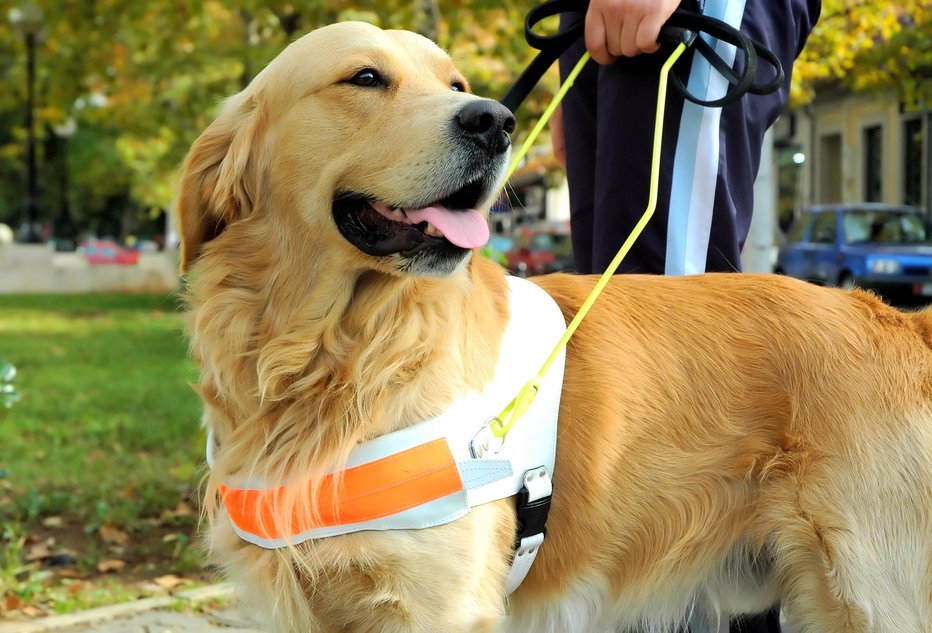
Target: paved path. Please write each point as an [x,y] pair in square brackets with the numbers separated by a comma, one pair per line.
[204,610]
[171,622]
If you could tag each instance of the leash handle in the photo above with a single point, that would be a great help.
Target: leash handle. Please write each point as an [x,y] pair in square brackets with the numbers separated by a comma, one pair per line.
[550,47]
[754,52]
[682,26]
[504,421]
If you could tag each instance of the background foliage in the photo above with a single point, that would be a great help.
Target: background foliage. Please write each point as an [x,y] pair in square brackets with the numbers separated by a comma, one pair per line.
[870,45]
[143,77]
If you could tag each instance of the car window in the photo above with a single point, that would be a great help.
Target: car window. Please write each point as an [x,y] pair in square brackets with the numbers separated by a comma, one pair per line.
[885,227]
[856,226]
[800,228]
[825,229]
[914,228]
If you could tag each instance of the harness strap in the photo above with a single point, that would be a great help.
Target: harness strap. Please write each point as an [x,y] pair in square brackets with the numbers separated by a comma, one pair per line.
[428,474]
[532,508]
[417,487]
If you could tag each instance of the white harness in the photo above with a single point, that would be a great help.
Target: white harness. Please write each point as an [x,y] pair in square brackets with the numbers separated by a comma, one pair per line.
[489,469]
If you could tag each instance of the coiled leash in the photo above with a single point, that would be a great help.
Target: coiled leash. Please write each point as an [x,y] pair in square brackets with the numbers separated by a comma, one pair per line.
[686,29]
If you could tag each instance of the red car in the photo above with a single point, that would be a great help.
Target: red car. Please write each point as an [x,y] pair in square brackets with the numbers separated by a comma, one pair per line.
[539,252]
[107,252]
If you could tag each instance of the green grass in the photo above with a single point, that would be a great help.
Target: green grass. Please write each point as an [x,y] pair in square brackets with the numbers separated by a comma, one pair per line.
[106,430]
[107,424]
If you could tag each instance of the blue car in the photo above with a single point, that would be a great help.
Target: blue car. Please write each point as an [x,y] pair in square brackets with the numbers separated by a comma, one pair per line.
[885,248]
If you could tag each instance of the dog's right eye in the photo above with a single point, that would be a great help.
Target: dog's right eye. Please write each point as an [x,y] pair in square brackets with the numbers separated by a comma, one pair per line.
[367,78]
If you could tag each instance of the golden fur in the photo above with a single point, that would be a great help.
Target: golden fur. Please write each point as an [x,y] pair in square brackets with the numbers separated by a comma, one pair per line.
[725,441]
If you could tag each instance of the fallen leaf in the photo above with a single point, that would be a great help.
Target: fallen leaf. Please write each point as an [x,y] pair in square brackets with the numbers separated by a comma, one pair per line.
[32,611]
[11,602]
[70,573]
[168,582]
[182,510]
[113,534]
[52,522]
[110,565]
[39,551]
[170,538]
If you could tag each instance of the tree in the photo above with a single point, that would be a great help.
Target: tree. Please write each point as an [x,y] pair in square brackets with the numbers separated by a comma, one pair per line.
[144,77]
[869,45]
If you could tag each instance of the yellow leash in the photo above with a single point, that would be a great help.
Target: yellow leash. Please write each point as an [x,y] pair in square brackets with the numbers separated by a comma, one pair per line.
[504,421]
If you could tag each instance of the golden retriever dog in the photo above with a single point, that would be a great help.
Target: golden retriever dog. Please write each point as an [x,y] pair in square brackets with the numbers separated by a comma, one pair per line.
[726,442]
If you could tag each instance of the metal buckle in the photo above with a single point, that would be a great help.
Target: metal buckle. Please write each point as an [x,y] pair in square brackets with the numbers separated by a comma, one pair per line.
[484,442]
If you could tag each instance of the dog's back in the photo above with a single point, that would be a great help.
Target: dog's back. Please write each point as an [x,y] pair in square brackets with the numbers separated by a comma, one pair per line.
[744,440]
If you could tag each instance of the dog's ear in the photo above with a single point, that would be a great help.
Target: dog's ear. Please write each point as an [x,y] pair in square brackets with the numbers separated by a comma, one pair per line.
[218,182]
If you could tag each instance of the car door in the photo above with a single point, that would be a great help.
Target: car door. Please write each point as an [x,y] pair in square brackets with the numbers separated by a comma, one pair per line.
[822,257]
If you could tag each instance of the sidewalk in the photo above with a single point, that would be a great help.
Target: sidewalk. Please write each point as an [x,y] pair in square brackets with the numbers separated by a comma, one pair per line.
[170,622]
[153,615]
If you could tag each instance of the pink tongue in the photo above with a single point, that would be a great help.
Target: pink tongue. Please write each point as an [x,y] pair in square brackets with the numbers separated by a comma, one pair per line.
[466,228]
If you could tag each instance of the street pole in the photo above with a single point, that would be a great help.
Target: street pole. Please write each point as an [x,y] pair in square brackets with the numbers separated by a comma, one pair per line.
[29,231]
[27,19]
[757,256]
[65,235]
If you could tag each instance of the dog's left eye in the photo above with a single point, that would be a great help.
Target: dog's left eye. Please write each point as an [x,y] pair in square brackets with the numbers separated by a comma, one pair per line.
[367,78]
[458,86]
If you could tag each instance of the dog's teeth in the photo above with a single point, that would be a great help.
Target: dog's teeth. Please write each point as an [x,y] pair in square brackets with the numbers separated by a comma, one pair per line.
[432,230]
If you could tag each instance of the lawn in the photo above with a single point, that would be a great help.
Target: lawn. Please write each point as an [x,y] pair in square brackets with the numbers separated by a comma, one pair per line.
[101,457]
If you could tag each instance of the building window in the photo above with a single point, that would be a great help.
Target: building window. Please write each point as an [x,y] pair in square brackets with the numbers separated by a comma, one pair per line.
[873,163]
[830,168]
[912,162]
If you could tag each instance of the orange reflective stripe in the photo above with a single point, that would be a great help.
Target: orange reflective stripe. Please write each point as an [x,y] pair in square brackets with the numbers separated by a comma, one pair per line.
[371,491]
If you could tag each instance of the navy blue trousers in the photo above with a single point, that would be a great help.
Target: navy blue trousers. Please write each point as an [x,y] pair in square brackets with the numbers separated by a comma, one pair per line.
[710,156]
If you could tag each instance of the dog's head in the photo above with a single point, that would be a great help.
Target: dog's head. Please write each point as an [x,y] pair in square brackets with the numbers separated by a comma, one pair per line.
[366,138]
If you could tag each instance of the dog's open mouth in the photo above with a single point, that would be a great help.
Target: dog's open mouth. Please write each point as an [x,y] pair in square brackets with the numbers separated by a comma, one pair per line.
[378,228]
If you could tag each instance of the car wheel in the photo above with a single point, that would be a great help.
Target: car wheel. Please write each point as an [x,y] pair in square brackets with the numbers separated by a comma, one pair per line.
[847,282]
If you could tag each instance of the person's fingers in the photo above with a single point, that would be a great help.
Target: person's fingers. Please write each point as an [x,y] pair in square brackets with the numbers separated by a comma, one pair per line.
[627,38]
[595,37]
[648,32]
[616,28]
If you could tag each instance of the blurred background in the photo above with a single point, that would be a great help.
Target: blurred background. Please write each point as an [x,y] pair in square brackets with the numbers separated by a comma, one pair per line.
[100,445]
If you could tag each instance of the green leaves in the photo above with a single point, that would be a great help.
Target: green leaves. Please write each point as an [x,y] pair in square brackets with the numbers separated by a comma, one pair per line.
[868,46]
[143,78]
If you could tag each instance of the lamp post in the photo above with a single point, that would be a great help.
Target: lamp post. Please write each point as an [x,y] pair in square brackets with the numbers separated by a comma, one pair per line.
[64,227]
[27,19]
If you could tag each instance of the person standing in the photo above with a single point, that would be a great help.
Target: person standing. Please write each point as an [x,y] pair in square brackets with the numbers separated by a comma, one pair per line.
[709,157]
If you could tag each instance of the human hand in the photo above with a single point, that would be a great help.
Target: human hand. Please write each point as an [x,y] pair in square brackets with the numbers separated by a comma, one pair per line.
[616,28]
[557,139]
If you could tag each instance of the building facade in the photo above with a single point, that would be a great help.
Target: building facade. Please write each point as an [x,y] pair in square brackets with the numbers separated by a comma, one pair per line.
[854,148]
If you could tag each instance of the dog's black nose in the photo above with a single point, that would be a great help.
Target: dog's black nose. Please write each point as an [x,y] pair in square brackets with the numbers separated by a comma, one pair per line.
[487,123]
